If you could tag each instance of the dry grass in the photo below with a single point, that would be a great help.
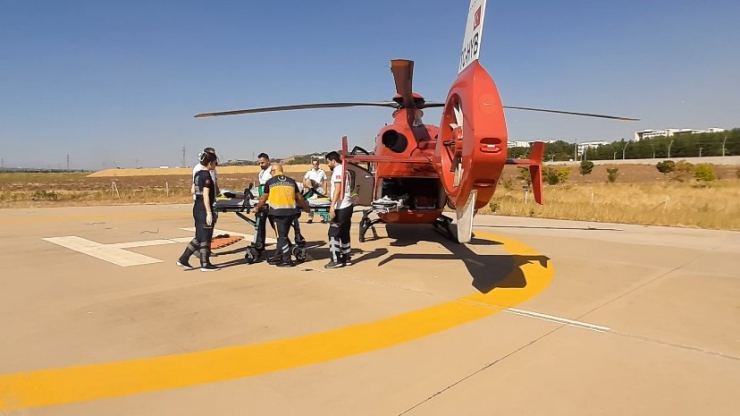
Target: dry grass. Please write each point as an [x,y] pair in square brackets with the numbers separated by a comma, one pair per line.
[223,170]
[641,195]
[716,206]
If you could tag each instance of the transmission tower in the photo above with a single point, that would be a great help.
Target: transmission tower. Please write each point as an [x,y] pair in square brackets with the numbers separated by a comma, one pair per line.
[67,162]
[183,157]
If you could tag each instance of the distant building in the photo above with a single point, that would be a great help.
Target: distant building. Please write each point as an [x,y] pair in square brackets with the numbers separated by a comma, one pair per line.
[649,134]
[517,143]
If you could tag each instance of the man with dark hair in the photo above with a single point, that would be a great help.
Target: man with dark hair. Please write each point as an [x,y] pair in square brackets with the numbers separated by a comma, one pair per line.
[264,175]
[282,193]
[340,213]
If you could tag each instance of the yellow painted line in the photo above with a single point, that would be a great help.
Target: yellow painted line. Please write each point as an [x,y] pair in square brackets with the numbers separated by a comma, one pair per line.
[99,381]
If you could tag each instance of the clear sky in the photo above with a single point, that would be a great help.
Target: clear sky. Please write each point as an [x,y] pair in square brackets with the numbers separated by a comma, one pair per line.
[118,83]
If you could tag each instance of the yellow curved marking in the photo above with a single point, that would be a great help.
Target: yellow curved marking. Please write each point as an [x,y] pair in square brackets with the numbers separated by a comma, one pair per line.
[106,380]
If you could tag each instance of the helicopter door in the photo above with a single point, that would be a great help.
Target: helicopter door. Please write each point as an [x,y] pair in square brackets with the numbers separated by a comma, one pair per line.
[357,150]
[363,183]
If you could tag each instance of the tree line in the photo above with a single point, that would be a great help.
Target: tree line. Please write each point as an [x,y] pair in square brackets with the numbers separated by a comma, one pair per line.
[678,146]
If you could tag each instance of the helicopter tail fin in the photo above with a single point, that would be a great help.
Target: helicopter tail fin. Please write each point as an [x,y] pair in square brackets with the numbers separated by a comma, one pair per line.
[473,34]
[535,168]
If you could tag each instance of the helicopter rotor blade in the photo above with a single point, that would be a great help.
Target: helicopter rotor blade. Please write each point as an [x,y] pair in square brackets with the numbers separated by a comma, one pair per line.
[403,74]
[431,104]
[573,113]
[299,107]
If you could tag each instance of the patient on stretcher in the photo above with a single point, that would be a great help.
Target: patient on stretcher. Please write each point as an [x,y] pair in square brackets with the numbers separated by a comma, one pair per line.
[408,193]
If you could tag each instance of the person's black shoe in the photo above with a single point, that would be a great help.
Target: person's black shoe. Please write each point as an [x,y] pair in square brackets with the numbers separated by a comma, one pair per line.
[209,268]
[333,265]
[184,264]
[288,263]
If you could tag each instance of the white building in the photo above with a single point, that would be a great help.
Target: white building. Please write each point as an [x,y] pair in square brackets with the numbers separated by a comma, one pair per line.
[517,143]
[648,134]
[589,145]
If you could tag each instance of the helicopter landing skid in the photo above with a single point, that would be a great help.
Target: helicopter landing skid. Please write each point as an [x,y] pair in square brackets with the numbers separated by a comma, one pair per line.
[367,224]
[442,225]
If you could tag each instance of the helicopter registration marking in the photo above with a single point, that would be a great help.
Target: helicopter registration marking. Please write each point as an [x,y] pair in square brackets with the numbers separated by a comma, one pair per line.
[58,386]
[473,33]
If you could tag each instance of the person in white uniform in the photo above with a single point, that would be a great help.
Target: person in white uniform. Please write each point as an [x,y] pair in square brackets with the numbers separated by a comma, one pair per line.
[264,175]
[340,213]
[315,179]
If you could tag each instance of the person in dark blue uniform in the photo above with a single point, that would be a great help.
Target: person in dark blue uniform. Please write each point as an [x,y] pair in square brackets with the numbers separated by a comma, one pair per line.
[205,196]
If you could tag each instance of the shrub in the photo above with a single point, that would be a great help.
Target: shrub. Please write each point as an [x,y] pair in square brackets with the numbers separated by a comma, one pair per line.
[555,176]
[665,167]
[612,174]
[525,175]
[586,167]
[682,171]
[704,172]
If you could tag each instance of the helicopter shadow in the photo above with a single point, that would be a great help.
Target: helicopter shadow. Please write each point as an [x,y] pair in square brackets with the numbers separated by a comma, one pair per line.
[488,271]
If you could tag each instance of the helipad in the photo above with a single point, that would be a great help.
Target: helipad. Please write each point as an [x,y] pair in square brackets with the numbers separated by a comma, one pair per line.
[97,319]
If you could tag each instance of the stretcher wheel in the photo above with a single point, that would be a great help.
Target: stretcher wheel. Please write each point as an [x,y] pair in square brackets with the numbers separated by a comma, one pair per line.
[299,253]
[252,255]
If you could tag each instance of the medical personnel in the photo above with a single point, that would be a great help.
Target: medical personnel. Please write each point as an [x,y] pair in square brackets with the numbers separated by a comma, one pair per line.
[283,195]
[265,168]
[205,195]
[340,213]
[315,179]
[198,167]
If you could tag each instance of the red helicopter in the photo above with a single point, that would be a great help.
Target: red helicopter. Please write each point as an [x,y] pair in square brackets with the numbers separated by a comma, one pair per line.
[416,169]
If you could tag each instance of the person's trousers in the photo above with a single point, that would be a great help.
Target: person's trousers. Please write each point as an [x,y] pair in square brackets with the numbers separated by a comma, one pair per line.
[339,234]
[259,238]
[203,236]
[283,224]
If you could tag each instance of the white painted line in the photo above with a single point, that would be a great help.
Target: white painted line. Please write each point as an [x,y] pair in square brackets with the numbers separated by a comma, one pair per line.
[134,244]
[113,255]
[551,318]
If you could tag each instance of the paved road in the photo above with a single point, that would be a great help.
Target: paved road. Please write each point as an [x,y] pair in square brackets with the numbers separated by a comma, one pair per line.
[534,317]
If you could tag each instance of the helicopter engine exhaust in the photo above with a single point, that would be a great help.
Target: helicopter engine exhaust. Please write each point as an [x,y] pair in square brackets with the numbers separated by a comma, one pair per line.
[394,141]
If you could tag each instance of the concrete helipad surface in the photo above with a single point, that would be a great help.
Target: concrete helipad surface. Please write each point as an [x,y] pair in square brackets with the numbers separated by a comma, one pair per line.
[534,317]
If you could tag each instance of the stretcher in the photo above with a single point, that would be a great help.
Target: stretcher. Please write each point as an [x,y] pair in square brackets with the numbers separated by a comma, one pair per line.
[243,203]
[383,205]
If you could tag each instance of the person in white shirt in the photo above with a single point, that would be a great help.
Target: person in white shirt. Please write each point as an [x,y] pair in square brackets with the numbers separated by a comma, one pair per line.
[315,179]
[264,175]
[340,213]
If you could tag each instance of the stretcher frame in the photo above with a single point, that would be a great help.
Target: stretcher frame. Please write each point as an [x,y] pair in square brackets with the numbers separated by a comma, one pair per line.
[243,203]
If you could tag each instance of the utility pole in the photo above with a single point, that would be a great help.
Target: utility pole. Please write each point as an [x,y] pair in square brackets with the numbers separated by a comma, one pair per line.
[575,150]
[723,146]
[67,162]
[183,157]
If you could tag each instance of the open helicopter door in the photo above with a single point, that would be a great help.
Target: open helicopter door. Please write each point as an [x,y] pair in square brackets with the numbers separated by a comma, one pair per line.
[362,181]
[471,148]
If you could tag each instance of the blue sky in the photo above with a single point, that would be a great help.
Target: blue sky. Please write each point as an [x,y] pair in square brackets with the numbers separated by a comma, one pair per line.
[118,83]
